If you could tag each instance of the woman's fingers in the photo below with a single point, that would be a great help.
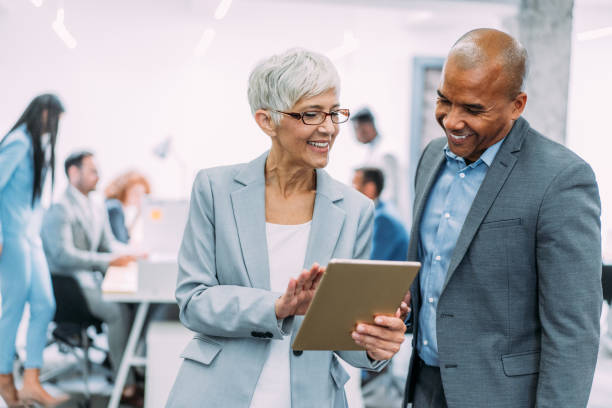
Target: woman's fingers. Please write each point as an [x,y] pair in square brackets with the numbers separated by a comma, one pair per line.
[317,279]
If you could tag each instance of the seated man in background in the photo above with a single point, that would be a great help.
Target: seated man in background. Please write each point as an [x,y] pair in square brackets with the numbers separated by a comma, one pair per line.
[390,239]
[77,241]
[389,243]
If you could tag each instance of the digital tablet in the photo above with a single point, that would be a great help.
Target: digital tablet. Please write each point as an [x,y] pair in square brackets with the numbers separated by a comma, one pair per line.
[352,291]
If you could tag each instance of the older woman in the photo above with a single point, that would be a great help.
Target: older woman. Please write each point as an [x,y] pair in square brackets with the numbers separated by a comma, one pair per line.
[252,228]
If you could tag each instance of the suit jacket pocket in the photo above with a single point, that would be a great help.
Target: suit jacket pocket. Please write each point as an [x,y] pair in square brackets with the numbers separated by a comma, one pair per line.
[202,350]
[338,373]
[521,363]
[500,223]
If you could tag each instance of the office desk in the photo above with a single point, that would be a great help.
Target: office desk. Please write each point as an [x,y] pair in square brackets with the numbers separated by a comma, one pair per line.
[121,284]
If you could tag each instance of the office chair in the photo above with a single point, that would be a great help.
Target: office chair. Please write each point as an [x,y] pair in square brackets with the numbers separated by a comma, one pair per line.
[72,319]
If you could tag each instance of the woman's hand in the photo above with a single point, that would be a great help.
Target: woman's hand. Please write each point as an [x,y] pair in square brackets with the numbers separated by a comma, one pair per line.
[383,338]
[299,293]
[0,249]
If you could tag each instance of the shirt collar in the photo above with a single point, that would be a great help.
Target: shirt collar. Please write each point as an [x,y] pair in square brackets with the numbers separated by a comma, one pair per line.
[82,200]
[487,157]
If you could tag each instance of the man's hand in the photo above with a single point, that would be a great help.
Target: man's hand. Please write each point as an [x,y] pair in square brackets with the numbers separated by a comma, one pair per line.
[122,260]
[383,338]
[299,293]
[405,307]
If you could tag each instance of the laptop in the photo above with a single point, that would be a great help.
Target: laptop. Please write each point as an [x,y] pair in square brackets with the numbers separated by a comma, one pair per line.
[163,224]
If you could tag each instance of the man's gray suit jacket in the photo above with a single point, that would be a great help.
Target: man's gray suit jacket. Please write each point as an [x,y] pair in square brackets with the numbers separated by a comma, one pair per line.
[518,317]
[74,241]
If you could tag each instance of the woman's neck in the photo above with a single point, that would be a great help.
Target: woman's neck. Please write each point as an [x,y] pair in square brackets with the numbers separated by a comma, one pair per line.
[287,178]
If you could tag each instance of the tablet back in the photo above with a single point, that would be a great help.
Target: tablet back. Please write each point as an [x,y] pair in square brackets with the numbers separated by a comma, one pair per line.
[352,291]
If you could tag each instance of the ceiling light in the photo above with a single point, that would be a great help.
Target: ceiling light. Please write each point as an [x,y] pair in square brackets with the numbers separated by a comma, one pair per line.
[595,34]
[222,9]
[61,30]
[349,45]
[207,38]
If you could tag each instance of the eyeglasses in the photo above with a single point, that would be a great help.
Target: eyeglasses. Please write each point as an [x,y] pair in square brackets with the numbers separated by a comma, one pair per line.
[318,117]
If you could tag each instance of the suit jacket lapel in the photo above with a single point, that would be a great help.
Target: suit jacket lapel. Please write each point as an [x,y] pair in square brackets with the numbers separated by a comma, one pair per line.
[422,194]
[494,180]
[249,206]
[80,216]
[327,222]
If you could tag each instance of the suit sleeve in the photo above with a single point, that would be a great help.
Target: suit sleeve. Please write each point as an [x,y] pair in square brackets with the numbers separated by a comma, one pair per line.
[363,245]
[568,252]
[206,306]
[59,245]
[12,152]
[390,242]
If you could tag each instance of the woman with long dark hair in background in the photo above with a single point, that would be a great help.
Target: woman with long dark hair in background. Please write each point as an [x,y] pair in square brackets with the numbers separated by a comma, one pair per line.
[27,152]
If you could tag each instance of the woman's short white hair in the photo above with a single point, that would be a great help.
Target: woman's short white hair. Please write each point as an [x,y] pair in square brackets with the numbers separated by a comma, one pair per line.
[280,81]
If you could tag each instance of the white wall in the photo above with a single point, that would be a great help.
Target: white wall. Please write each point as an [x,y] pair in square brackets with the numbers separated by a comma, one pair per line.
[589,132]
[133,78]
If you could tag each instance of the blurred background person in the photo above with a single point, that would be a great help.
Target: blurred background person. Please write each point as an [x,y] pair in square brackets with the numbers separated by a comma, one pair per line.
[78,242]
[27,152]
[252,228]
[379,155]
[389,243]
[390,239]
[124,197]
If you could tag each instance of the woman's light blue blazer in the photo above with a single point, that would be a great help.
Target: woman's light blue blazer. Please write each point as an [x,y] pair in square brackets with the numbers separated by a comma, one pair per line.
[24,274]
[16,180]
[223,289]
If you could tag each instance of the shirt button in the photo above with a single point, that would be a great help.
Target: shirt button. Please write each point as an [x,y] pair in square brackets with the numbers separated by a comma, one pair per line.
[430,300]
[438,257]
[462,175]
[446,215]
[425,342]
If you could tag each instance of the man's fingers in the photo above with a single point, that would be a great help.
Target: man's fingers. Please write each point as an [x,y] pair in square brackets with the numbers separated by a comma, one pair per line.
[377,345]
[391,322]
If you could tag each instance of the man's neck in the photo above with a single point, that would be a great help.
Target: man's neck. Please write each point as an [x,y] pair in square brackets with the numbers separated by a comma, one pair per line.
[82,192]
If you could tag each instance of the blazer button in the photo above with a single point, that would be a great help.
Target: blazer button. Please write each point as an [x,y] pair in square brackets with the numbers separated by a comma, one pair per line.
[268,335]
[297,352]
[256,334]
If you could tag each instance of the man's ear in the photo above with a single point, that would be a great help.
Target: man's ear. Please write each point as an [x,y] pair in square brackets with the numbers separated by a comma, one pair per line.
[265,122]
[73,174]
[369,189]
[518,105]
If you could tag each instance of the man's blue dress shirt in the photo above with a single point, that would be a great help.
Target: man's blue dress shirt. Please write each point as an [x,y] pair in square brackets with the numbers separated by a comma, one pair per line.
[449,202]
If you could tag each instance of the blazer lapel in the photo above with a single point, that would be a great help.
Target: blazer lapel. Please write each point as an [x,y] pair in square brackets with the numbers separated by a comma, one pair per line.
[249,206]
[327,222]
[81,218]
[422,194]
[494,180]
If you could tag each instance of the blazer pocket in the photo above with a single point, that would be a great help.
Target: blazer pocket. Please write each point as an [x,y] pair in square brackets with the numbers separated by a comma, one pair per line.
[338,373]
[201,350]
[521,363]
[500,223]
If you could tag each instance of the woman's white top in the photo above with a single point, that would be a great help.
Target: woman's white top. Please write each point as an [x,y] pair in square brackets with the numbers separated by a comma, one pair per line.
[286,253]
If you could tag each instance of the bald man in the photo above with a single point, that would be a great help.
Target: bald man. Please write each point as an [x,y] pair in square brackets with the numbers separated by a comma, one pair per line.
[506,307]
